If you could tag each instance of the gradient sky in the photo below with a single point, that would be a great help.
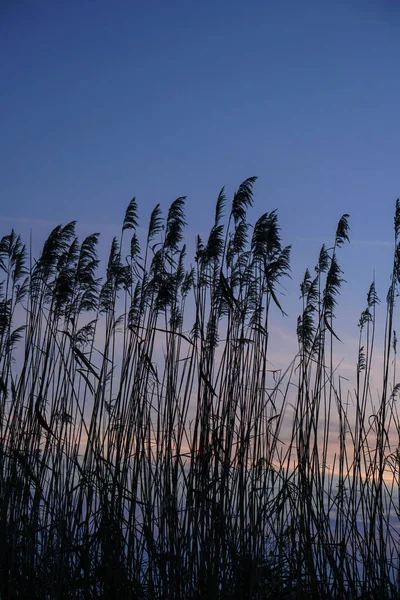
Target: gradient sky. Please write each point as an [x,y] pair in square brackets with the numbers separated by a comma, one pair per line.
[101,101]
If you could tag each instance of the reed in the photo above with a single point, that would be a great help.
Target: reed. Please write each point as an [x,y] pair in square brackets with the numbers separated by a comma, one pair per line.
[147,448]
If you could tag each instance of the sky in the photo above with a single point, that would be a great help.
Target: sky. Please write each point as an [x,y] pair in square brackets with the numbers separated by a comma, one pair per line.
[102,101]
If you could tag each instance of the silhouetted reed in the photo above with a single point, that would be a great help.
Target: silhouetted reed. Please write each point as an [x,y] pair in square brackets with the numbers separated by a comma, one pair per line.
[147,447]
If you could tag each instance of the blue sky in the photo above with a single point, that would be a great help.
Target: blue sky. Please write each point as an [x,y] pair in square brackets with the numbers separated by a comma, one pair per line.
[101,101]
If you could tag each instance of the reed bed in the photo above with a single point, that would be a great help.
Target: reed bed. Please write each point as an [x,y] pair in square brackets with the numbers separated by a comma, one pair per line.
[148,449]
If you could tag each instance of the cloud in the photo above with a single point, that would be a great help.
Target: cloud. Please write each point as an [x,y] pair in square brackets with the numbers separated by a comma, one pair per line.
[373,243]
[28,221]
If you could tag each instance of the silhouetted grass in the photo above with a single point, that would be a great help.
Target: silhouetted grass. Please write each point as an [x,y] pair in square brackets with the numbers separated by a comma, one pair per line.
[147,449]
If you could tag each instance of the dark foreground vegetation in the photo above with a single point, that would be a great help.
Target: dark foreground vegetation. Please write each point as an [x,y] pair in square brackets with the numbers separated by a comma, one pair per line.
[149,450]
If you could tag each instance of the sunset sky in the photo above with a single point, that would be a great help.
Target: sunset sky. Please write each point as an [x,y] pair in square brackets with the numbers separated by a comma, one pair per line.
[101,101]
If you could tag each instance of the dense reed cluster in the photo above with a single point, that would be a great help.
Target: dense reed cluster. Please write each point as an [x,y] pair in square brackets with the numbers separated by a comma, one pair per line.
[147,448]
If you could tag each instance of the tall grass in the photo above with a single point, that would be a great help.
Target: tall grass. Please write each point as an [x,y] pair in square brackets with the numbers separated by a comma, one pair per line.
[147,448]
